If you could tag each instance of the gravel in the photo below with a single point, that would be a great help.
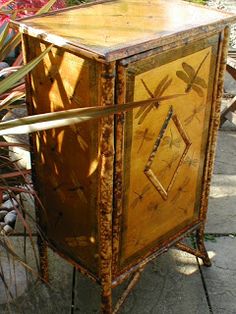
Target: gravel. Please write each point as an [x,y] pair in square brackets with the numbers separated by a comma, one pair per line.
[230,6]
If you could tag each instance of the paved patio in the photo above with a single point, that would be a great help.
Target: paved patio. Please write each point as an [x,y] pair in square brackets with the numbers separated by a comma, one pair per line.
[176,282]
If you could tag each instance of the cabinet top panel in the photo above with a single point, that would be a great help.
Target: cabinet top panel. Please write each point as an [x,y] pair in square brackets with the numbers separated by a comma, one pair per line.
[111,30]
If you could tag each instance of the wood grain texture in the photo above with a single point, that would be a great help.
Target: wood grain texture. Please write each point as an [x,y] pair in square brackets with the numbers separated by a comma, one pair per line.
[116,29]
[67,158]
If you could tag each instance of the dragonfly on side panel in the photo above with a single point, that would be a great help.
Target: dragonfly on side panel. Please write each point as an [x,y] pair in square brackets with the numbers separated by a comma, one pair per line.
[140,196]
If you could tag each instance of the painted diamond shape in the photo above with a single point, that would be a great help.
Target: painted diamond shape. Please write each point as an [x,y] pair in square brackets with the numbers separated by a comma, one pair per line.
[175,147]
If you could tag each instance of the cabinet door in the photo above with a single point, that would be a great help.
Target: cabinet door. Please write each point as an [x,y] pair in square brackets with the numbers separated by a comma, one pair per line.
[164,147]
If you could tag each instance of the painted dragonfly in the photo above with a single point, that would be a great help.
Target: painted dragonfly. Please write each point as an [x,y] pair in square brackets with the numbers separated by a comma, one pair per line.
[140,196]
[158,92]
[192,79]
[80,139]
[194,114]
[180,190]
[143,135]
[171,141]
[169,164]
[190,161]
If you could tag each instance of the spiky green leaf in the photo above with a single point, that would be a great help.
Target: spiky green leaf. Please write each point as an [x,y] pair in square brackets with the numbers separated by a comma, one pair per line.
[46,7]
[9,82]
[64,118]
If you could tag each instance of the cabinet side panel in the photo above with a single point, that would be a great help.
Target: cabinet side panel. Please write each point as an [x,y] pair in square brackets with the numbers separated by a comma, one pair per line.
[66,160]
[165,145]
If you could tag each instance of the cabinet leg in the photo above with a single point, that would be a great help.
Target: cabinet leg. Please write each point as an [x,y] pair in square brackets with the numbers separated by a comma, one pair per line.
[201,246]
[43,259]
[106,300]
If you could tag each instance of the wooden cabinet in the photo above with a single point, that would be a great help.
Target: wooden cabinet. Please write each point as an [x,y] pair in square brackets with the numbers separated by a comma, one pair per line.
[118,191]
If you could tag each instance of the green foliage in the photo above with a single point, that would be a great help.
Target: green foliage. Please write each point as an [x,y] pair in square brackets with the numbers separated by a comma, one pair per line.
[74,2]
[210,237]
[9,81]
[198,1]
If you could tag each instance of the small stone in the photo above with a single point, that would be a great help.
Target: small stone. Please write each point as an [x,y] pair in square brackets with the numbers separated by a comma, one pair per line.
[7,230]
[9,204]
[3,213]
[10,218]
[4,65]
[2,224]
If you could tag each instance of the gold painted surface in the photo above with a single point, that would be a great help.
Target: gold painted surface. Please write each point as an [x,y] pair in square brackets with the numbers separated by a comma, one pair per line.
[113,25]
[166,200]
[66,159]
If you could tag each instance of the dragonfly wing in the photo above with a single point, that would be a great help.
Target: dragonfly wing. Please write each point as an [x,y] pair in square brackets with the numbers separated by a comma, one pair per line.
[200,81]
[165,86]
[160,86]
[177,142]
[183,76]
[189,119]
[141,110]
[198,90]
[82,142]
[134,203]
[166,140]
[144,114]
[147,89]
[189,70]
[145,189]
[200,108]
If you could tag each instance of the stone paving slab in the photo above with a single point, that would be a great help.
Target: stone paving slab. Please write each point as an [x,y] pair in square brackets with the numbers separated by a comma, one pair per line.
[221,216]
[33,296]
[170,284]
[226,153]
[221,277]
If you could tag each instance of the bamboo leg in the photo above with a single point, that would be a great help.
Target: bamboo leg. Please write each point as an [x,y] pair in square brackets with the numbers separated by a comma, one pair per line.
[201,246]
[43,259]
[106,299]
[127,291]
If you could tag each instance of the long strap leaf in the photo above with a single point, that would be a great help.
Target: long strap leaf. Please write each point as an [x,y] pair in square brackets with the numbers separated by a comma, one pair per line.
[46,7]
[10,46]
[64,118]
[4,34]
[5,4]
[8,82]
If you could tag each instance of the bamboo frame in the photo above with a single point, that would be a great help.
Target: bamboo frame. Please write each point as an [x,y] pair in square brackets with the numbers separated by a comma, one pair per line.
[106,189]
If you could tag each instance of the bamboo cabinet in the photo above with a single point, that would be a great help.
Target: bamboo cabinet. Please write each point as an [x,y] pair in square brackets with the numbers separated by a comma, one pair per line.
[119,191]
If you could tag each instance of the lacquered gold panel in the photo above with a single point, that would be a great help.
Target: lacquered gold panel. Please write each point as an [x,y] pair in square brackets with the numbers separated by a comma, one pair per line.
[165,145]
[66,160]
